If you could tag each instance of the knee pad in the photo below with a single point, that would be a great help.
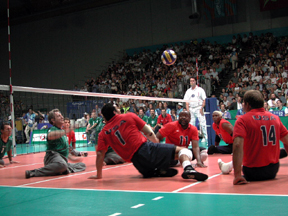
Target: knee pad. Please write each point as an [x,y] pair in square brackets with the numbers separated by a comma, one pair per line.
[203,155]
[186,152]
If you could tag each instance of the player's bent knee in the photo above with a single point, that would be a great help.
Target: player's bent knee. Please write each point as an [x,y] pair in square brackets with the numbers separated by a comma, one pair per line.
[186,152]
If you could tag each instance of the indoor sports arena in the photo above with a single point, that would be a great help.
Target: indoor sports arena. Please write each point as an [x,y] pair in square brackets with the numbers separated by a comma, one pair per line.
[141,107]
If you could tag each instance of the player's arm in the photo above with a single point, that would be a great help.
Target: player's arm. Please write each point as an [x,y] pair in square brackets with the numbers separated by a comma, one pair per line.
[147,130]
[99,164]
[196,152]
[217,140]
[237,161]
[88,127]
[159,136]
[228,128]
[53,135]
[9,153]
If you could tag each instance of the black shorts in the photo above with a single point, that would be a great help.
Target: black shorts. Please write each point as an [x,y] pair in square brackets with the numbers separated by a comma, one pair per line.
[261,173]
[151,157]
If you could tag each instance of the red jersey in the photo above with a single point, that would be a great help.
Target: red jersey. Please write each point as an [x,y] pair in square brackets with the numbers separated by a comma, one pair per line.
[223,134]
[165,120]
[123,135]
[261,131]
[71,137]
[176,135]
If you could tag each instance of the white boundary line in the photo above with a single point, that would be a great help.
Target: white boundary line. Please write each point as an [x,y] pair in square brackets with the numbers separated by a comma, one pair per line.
[69,176]
[191,185]
[152,192]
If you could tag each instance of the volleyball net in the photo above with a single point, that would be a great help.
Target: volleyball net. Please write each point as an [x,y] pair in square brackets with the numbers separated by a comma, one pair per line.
[30,135]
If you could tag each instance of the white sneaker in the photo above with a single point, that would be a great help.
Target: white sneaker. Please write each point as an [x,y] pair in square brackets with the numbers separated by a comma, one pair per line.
[203,140]
[90,143]
[225,168]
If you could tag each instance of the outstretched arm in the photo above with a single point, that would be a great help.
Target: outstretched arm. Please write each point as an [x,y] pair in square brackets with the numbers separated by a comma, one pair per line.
[147,130]
[99,165]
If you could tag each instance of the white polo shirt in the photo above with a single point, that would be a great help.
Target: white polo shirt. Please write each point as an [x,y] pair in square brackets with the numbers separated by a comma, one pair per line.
[197,95]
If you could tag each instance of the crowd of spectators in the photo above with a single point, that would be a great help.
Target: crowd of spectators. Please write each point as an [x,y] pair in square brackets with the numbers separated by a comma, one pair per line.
[264,68]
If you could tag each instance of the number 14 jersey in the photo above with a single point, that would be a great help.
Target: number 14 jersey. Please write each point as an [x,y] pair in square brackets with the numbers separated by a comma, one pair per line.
[261,131]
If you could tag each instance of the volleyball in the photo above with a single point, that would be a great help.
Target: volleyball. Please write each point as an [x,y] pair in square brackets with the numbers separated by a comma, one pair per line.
[168,57]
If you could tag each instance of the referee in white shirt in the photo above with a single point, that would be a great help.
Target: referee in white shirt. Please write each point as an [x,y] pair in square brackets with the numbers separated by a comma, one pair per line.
[196,108]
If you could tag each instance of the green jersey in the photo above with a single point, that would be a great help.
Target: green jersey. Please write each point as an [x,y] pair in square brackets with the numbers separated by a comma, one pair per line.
[58,145]
[94,121]
[144,118]
[152,121]
[100,126]
[5,147]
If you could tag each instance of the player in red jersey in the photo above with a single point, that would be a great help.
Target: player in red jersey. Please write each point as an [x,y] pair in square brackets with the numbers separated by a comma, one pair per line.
[181,133]
[256,141]
[123,133]
[72,139]
[224,131]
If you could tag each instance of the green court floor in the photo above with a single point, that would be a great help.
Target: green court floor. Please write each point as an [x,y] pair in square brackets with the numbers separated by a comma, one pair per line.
[40,201]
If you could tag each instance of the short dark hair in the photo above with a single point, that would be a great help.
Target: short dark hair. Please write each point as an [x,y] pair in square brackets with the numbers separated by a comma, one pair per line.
[51,115]
[5,123]
[67,119]
[108,111]
[192,77]
[254,98]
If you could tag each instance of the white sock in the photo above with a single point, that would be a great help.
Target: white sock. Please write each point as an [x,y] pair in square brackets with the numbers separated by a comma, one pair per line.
[186,163]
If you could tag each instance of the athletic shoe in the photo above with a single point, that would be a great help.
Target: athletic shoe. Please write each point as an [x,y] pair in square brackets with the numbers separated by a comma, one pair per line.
[225,168]
[27,174]
[166,173]
[90,143]
[211,150]
[203,140]
[193,174]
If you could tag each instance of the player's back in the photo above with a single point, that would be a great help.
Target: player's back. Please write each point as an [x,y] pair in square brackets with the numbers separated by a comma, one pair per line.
[261,131]
[122,133]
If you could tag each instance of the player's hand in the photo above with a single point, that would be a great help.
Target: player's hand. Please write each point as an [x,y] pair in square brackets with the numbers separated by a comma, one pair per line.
[200,164]
[239,180]
[94,177]
[14,162]
[202,111]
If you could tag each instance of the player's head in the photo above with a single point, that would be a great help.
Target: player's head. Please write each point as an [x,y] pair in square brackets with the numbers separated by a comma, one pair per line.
[217,116]
[279,103]
[66,122]
[193,81]
[93,115]
[184,118]
[253,99]
[55,117]
[108,111]
[6,128]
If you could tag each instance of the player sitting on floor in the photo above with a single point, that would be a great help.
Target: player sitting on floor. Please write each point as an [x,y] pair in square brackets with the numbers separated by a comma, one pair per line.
[55,160]
[72,140]
[122,133]
[181,133]
[6,143]
[224,131]
[256,142]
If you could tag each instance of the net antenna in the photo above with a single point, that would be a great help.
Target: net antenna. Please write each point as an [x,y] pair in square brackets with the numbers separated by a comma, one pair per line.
[11,89]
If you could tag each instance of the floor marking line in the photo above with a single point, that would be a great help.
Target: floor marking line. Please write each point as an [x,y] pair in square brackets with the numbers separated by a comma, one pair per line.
[5,168]
[191,185]
[158,198]
[152,192]
[115,214]
[137,206]
[69,176]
